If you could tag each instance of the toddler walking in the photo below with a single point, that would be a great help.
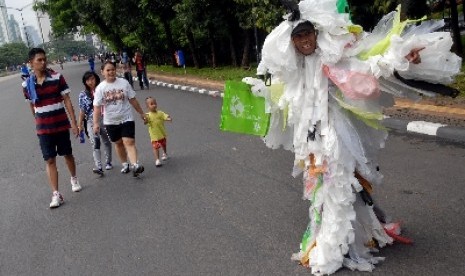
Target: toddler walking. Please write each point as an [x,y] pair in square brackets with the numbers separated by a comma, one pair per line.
[156,125]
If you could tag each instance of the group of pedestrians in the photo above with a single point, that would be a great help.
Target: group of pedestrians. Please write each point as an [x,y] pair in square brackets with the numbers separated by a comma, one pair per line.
[127,61]
[105,111]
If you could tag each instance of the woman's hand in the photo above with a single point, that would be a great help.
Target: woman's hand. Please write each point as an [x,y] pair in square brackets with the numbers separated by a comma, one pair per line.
[96,128]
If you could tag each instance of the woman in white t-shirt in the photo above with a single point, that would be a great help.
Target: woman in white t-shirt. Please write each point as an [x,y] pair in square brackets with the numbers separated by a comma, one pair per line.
[117,97]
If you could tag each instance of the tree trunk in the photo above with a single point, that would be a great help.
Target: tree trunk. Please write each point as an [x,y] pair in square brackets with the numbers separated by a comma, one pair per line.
[192,48]
[232,50]
[413,9]
[455,28]
[245,63]
[169,38]
[212,49]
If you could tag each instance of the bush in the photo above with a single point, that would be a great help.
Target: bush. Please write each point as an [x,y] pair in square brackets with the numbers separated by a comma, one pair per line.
[220,73]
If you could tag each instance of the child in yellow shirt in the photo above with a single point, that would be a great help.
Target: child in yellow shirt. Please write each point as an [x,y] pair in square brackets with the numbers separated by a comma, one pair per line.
[156,125]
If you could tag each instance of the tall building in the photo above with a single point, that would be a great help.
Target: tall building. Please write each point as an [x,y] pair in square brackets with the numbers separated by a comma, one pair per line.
[45,28]
[32,36]
[4,35]
[14,30]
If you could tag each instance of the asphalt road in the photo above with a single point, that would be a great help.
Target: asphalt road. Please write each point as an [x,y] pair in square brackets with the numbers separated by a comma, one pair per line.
[223,204]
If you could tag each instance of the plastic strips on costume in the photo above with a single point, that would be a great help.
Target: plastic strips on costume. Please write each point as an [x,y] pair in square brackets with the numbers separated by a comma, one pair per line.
[279,132]
[354,85]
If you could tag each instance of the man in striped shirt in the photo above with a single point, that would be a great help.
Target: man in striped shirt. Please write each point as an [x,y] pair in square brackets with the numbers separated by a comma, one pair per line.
[48,95]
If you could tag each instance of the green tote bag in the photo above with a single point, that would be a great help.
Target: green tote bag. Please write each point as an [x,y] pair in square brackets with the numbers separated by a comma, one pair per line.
[243,112]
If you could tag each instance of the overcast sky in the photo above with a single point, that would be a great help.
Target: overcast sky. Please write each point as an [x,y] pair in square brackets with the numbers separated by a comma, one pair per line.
[28,13]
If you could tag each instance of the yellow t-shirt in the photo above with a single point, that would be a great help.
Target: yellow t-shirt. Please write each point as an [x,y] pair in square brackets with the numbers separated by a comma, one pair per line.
[156,124]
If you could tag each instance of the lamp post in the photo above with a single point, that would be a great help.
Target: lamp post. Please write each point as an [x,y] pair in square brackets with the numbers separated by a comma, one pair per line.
[22,19]
[40,27]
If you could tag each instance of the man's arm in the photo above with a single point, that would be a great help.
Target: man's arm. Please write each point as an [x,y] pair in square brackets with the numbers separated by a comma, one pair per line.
[32,110]
[72,116]
[81,121]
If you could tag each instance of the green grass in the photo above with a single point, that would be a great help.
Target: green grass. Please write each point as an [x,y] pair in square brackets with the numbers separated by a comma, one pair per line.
[220,74]
[459,82]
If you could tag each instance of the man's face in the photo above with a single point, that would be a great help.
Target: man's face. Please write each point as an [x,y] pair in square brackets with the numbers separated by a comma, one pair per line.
[39,62]
[305,42]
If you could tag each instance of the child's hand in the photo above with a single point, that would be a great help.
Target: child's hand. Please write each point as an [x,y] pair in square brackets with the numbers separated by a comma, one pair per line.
[144,118]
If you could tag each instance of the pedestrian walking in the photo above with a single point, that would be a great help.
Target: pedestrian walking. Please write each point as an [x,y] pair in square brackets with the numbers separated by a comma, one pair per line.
[91,61]
[127,68]
[156,126]
[25,71]
[116,96]
[86,97]
[51,106]
[141,69]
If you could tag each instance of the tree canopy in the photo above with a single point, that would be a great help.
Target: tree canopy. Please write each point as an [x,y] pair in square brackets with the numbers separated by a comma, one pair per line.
[65,46]
[12,54]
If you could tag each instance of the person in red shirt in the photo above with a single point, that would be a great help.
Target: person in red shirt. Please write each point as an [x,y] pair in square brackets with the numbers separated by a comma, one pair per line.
[51,106]
[139,61]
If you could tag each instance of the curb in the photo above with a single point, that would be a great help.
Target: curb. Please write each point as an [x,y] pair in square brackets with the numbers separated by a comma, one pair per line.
[419,127]
[426,128]
[212,93]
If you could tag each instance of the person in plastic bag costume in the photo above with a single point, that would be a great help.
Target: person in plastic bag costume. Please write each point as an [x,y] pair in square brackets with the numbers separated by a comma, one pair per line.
[330,81]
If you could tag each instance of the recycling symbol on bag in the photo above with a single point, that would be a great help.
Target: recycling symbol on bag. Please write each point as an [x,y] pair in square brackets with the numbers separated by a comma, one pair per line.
[236,107]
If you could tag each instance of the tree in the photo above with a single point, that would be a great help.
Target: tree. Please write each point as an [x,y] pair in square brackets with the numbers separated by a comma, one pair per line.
[415,9]
[368,15]
[256,17]
[111,22]
[161,12]
[12,54]
[66,46]
[454,16]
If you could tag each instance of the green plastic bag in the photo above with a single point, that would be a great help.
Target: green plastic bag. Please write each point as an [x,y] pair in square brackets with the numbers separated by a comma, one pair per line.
[243,112]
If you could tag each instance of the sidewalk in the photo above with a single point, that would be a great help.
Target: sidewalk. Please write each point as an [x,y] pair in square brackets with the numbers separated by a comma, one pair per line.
[442,117]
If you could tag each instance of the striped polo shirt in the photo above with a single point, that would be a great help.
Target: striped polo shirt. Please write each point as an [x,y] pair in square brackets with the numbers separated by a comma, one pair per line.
[50,113]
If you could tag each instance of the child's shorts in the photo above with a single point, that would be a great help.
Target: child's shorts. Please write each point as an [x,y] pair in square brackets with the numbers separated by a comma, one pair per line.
[126,129]
[159,144]
[56,143]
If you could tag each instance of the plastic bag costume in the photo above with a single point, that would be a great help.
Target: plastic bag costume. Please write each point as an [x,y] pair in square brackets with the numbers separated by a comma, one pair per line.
[326,107]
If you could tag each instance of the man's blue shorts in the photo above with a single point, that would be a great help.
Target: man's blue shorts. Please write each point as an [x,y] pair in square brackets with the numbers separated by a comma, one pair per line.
[56,143]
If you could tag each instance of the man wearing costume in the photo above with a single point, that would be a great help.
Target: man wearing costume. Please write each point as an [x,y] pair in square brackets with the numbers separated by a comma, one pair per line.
[330,81]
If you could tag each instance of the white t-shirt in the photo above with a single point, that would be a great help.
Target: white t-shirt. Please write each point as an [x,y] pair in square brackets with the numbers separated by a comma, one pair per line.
[114,97]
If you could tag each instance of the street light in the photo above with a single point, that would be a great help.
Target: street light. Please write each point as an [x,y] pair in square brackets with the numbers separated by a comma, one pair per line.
[22,19]
[40,27]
